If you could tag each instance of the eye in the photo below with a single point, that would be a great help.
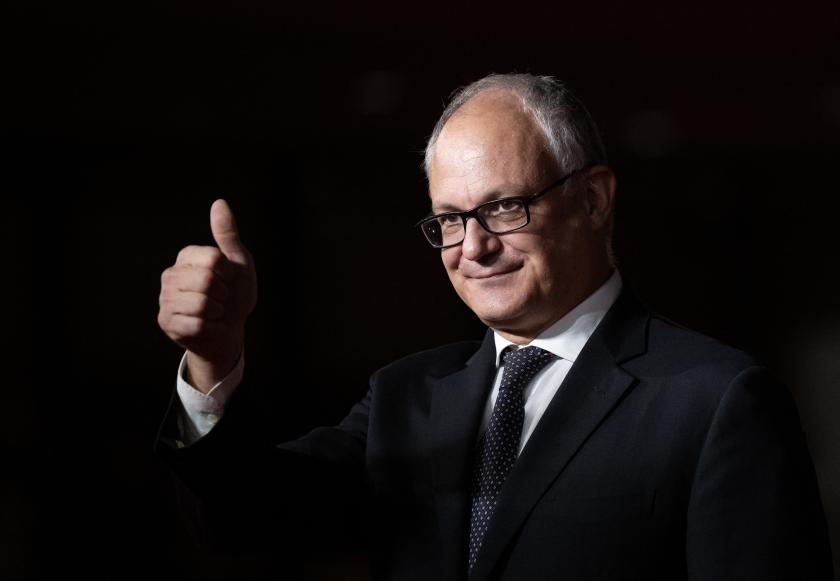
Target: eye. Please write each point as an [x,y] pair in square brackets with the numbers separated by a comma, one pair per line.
[449,222]
[502,207]
[508,205]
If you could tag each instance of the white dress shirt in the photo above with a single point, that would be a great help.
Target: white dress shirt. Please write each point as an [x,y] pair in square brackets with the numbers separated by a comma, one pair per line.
[565,339]
[204,410]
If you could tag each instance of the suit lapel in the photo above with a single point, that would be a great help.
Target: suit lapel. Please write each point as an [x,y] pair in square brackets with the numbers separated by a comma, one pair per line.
[457,403]
[594,386]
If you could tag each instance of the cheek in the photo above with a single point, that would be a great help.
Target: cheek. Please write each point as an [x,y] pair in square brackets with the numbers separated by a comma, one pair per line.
[450,258]
[548,262]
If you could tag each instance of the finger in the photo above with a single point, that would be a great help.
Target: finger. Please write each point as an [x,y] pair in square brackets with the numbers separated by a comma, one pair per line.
[226,233]
[187,327]
[193,304]
[207,257]
[194,279]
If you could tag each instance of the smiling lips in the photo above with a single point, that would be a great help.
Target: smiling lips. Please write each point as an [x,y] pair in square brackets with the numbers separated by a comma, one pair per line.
[485,275]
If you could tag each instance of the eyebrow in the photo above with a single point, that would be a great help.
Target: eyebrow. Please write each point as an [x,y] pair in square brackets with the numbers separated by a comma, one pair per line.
[497,194]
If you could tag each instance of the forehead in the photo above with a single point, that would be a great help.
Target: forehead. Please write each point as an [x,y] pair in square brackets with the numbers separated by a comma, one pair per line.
[489,147]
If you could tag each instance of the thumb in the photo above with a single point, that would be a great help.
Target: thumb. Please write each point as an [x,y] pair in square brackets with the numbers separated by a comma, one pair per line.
[226,234]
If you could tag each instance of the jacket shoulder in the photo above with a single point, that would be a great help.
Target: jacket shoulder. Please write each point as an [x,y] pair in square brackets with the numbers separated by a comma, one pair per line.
[437,361]
[678,349]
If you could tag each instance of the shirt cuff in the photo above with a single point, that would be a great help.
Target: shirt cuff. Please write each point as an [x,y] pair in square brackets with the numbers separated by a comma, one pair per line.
[203,411]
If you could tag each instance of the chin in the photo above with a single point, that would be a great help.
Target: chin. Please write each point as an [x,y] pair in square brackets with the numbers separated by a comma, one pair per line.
[496,303]
[494,314]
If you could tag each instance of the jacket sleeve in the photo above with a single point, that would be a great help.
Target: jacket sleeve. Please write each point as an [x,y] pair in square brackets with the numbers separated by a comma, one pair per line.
[242,492]
[755,509]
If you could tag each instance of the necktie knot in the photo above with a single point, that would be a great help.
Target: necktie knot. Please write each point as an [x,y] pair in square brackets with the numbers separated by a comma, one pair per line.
[522,365]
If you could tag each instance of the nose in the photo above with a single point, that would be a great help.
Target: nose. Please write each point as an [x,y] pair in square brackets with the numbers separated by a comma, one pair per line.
[478,242]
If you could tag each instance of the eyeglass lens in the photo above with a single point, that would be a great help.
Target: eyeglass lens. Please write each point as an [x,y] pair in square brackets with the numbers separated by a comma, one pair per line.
[497,217]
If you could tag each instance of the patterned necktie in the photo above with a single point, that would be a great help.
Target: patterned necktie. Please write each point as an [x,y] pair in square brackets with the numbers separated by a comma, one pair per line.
[499,445]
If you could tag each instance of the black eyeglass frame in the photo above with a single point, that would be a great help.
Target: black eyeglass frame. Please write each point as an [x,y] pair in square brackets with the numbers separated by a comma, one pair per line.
[473,213]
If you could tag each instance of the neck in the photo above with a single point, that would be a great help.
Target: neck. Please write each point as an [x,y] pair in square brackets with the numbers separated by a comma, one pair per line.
[519,339]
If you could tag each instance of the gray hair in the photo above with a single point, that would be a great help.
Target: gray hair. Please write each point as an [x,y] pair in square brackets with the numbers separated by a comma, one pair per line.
[571,134]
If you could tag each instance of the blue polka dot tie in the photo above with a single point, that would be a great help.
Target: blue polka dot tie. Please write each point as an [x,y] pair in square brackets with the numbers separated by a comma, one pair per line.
[499,446]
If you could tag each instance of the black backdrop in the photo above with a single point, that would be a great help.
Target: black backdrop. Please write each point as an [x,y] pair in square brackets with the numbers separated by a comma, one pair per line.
[123,121]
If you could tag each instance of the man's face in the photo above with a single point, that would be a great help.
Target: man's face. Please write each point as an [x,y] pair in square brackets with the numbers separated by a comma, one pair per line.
[519,282]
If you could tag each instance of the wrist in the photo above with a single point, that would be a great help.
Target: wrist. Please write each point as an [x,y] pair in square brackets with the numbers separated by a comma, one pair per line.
[204,373]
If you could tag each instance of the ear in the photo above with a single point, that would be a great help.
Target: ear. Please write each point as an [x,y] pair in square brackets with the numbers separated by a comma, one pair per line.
[598,195]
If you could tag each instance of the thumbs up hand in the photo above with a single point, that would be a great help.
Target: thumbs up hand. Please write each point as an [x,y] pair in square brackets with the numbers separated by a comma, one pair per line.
[206,298]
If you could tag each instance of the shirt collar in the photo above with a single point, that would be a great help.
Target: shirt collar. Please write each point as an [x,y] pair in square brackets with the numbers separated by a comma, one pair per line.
[567,336]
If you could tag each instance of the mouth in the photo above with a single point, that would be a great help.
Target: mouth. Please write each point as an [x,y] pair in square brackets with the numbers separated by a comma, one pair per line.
[494,275]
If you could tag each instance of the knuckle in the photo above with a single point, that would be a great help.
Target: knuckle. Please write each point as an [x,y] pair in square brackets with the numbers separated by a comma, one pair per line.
[184,253]
[169,278]
[195,254]
[166,288]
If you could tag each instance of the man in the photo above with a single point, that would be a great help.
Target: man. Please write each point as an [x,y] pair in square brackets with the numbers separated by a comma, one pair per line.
[583,438]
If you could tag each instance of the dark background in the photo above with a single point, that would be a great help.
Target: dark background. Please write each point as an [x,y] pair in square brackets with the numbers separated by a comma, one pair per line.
[123,121]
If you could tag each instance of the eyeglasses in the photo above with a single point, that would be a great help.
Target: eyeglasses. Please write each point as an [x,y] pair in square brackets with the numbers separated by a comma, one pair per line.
[496,216]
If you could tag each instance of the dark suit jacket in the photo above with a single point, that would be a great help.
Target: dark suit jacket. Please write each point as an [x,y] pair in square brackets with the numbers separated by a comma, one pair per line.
[664,455]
